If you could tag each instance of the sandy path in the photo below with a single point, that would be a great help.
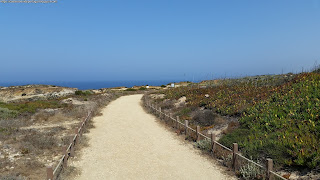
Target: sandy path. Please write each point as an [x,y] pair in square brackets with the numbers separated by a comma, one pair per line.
[128,143]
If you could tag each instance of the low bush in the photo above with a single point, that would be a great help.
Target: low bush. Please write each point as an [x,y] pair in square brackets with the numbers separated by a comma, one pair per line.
[40,140]
[130,89]
[184,113]
[5,113]
[83,93]
[204,144]
[32,106]
[250,171]
[204,118]
[6,131]
[167,104]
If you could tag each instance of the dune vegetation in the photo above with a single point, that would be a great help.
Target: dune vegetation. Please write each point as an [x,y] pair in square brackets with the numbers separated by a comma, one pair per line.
[276,120]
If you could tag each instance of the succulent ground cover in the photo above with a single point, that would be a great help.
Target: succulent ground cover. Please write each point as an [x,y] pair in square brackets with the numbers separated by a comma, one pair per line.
[285,126]
[225,100]
[277,120]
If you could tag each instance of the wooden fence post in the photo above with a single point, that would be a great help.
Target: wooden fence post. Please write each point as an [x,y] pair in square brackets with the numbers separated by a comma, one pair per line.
[80,129]
[72,150]
[72,147]
[49,173]
[167,118]
[178,120]
[269,168]
[160,113]
[213,143]
[234,155]
[77,137]
[186,126]
[83,126]
[65,159]
[197,132]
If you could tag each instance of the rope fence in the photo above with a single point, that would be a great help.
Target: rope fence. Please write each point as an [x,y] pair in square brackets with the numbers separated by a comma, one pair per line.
[68,151]
[231,158]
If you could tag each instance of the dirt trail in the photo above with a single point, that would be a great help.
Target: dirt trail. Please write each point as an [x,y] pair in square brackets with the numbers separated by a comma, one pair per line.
[128,143]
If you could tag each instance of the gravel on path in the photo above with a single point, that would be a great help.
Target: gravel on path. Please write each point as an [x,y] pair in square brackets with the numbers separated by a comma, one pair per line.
[128,143]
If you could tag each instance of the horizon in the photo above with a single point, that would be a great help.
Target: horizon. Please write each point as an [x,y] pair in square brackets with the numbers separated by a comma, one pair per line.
[98,84]
[158,40]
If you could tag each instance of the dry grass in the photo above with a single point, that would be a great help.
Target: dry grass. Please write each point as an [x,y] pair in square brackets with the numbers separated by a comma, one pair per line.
[32,140]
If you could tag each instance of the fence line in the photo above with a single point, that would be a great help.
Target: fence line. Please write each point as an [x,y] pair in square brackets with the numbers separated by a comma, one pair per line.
[236,156]
[67,151]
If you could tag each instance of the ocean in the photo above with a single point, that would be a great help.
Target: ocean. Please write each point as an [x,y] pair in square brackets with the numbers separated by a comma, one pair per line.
[83,85]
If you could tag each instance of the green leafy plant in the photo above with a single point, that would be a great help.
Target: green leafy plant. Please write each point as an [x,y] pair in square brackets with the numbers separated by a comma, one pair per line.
[130,89]
[5,113]
[32,106]
[142,88]
[279,116]
[286,126]
[83,93]
[204,144]
[250,171]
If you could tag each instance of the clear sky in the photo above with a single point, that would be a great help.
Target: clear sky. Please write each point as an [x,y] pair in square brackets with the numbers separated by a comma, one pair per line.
[157,39]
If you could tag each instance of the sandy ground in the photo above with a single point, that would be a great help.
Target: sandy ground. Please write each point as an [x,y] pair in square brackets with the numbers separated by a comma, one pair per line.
[128,143]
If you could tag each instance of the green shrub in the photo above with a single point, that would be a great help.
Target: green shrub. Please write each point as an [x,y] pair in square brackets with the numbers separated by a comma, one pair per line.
[204,144]
[142,88]
[205,118]
[83,93]
[5,113]
[250,171]
[130,89]
[184,111]
[235,137]
[78,93]
[163,86]
[6,130]
[32,106]
[226,160]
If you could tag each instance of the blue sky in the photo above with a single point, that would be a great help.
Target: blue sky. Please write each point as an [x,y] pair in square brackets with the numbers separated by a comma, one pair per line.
[157,39]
